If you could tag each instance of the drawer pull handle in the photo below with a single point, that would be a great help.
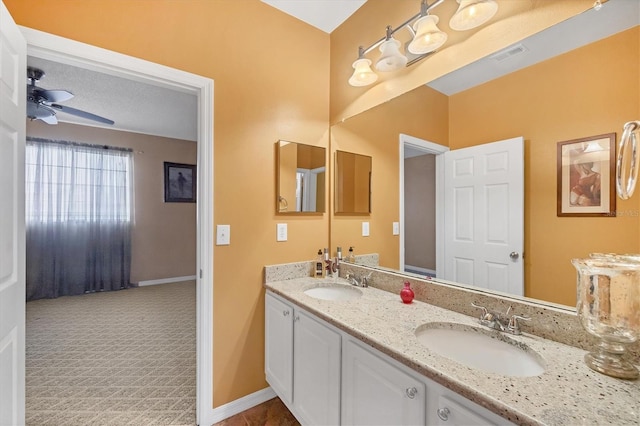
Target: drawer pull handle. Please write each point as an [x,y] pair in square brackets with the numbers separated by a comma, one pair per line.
[285,313]
[296,318]
[443,413]
[412,392]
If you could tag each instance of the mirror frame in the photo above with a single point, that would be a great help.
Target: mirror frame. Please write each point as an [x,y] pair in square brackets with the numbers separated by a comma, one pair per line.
[278,196]
[341,190]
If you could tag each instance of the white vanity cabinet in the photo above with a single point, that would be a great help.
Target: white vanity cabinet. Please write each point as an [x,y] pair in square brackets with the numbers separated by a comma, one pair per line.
[328,377]
[377,392]
[302,362]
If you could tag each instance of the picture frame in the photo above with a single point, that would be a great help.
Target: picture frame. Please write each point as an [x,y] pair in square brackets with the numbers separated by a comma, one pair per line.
[179,183]
[586,173]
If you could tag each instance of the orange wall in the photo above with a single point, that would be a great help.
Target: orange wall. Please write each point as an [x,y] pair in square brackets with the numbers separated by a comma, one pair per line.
[589,91]
[158,251]
[422,113]
[271,82]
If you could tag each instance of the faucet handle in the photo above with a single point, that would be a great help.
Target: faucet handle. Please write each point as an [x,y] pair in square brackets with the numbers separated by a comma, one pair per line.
[514,326]
[486,315]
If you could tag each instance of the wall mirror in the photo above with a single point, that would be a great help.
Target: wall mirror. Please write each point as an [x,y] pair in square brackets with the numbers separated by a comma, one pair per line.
[563,94]
[301,178]
[352,183]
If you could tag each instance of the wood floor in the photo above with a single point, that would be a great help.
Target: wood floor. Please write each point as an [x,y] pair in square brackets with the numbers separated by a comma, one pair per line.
[270,413]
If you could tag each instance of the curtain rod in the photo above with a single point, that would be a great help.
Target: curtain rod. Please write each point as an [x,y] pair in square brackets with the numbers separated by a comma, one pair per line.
[88,145]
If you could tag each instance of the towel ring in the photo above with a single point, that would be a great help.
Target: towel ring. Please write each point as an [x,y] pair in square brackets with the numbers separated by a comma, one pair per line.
[626,182]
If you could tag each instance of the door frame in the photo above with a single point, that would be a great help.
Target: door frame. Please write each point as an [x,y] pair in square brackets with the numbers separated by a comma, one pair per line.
[426,147]
[51,47]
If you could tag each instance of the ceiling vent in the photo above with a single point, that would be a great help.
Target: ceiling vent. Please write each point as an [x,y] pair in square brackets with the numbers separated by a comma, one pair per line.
[509,52]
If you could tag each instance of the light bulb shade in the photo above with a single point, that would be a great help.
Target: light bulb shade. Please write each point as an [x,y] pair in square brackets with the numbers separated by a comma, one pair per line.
[391,58]
[472,13]
[428,36]
[362,74]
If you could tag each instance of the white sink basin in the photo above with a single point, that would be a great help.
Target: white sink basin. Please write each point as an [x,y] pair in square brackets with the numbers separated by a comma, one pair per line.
[334,292]
[480,349]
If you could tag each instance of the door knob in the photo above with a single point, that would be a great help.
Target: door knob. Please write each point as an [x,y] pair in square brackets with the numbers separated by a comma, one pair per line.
[514,255]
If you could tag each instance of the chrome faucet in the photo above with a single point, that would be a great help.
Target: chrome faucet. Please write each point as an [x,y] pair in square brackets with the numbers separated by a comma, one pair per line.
[359,282]
[500,321]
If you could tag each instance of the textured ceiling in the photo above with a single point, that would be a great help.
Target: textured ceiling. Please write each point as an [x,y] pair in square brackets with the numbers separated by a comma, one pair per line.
[134,106]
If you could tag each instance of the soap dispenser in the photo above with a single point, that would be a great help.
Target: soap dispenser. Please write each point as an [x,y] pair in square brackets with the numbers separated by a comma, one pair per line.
[319,265]
[351,258]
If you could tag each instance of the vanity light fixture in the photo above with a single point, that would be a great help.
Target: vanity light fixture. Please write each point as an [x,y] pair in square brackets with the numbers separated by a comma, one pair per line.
[472,13]
[363,75]
[426,38]
[391,58]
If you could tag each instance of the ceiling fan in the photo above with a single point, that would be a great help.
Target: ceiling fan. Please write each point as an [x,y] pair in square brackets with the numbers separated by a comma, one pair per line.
[42,104]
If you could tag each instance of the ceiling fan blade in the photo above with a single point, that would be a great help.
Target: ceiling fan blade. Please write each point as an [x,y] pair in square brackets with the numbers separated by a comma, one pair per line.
[38,111]
[83,114]
[54,95]
[50,119]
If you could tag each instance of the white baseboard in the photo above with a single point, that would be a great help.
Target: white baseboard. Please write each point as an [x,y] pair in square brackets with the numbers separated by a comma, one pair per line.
[239,405]
[421,270]
[166,280]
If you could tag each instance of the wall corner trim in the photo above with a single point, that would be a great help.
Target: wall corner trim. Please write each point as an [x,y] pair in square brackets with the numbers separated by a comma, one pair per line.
[239,405]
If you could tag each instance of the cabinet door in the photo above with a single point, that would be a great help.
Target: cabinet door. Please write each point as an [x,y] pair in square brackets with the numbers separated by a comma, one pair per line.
[278,355]
[316,371]
[376,392]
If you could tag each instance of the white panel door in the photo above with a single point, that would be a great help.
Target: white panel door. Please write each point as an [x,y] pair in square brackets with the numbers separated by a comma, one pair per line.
[316,371]
[13,83]
[374,392]
[278,363]
[484,221]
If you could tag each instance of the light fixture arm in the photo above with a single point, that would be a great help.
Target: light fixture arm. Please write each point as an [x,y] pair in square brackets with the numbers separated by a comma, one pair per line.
[424,10]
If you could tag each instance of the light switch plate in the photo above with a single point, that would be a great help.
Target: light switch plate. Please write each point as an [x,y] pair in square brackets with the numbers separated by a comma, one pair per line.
[396,228]
[281,232]
[365,229]
[223,235]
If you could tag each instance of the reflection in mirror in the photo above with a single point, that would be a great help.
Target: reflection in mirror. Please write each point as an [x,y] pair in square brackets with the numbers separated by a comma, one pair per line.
[353,183]
[301,178]
[571,93]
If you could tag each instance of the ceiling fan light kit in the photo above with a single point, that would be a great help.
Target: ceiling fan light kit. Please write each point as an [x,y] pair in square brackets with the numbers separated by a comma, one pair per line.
[42,104]
[426,37]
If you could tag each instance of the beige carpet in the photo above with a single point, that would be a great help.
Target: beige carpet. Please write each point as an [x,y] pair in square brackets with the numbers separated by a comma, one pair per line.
[118,358]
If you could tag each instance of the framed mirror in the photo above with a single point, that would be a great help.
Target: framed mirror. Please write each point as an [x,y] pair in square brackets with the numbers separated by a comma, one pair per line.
[545,102]
[301,178]
[352,183]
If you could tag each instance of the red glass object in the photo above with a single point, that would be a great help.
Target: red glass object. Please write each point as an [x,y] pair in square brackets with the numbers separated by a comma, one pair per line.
[406,294]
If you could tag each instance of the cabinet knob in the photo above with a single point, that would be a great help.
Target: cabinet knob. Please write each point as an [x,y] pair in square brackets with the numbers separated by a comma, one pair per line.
[285,313]
[443,413]
[412,392]
[296,318]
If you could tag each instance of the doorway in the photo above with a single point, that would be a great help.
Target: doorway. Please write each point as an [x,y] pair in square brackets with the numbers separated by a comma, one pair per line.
[58,49]
[409,147]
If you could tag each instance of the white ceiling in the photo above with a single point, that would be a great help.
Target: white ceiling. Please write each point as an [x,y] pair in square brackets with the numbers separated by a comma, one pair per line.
[153,110]
[326,15]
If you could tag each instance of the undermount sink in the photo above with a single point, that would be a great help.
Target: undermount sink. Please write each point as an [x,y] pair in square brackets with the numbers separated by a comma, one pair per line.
[480,349]
[334,292]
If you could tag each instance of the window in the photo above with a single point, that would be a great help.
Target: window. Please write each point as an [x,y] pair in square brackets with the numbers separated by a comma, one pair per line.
[70,182]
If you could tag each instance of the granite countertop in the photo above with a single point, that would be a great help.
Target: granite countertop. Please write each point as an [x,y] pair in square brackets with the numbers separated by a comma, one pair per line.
[567,393]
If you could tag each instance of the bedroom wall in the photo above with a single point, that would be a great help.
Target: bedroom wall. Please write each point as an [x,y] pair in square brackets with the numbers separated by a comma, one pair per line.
[164,234]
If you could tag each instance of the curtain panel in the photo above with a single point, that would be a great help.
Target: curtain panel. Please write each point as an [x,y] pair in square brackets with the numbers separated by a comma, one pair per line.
[78,218]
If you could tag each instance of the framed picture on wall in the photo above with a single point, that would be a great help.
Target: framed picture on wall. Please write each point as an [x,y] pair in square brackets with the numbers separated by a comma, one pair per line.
[586,172]
[179,183]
